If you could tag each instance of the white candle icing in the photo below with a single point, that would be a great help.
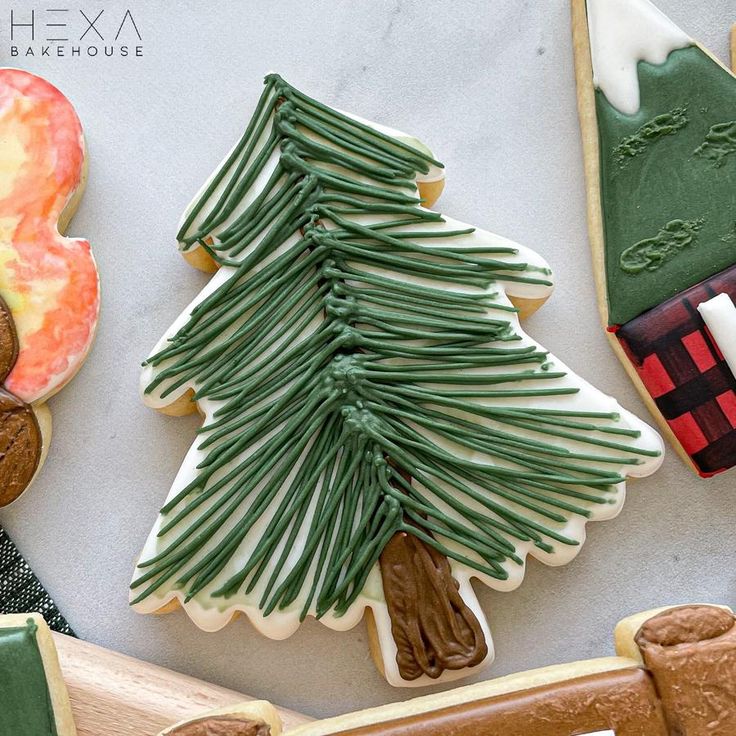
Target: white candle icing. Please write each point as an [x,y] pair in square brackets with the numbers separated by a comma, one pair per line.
[719,313]
[623,33]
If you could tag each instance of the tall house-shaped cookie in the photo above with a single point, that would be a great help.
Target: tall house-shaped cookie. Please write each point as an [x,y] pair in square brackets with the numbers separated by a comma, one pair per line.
[658,116]
[33,697]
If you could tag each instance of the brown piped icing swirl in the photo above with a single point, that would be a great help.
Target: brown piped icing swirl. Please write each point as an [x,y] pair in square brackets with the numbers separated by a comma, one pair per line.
[20,446]
[8,341]
[685,625]
[432,626]
[222,726]
[20,436]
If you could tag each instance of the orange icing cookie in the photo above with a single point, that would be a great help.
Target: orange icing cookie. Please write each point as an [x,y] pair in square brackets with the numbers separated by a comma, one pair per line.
[48,282]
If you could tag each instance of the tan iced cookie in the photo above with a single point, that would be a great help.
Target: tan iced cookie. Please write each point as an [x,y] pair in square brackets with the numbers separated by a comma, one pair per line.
[674,676]
[656,114]
[34,700]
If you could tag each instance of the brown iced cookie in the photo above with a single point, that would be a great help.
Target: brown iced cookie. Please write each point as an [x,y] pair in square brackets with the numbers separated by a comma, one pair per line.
[691,654]
[21,443]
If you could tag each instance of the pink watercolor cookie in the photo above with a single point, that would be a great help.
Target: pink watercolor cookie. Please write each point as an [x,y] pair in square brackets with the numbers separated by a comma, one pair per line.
[48,283]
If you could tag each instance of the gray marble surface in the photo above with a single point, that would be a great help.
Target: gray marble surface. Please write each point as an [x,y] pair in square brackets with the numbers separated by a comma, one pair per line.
[489,85]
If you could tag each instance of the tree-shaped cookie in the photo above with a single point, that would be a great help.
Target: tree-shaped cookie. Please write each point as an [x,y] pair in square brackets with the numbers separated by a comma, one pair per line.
[658,114]
[49,292]
[378,430]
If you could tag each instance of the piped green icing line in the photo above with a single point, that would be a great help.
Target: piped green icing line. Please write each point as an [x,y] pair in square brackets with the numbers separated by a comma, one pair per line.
[334,378]
[652,253]
[719,143]
[639,142]
[25,701]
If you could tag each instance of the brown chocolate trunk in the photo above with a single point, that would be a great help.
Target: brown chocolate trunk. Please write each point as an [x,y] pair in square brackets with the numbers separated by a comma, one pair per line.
[433,628]
[20,446]
[222,726]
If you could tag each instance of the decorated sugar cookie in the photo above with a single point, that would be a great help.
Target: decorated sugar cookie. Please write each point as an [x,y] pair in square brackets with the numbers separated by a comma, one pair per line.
[49,293]
[33,697]
[378,430]
[675,675]
[658,115]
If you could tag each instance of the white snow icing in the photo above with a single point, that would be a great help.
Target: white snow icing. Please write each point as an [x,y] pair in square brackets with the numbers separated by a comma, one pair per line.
[623,33]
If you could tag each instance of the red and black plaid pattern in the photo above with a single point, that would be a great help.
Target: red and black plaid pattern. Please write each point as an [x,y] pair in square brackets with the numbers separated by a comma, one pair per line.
[684,371]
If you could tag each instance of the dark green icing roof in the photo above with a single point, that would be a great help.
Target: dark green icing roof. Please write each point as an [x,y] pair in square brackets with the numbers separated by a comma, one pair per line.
[668,183]
[25,701]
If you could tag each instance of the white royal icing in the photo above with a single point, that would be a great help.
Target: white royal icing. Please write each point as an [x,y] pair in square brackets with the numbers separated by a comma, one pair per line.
[212,614]
[719,313]
[623,33]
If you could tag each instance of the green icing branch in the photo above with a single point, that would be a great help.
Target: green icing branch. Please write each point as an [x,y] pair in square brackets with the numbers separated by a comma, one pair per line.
[719,143]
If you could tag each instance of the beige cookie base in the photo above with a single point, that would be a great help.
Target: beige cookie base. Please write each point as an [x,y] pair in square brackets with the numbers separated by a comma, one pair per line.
[170,607]
[258,711]
[181,407]
[526,307]
[374,642]
[200,259]
[430,191]
[57,689]
[589,129]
